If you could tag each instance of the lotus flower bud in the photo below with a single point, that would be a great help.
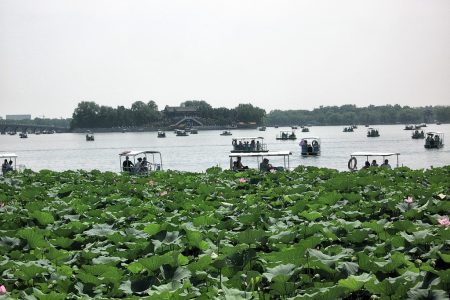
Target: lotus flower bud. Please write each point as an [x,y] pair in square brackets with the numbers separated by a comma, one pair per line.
[2,290]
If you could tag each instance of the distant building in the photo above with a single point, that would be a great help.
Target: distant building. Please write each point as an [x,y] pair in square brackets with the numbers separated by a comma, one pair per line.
[180,111]
[18,117]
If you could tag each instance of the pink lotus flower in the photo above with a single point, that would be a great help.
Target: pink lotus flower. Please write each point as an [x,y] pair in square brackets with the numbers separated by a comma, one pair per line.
[409,200]
[2,290]
[242,180]
[444,221]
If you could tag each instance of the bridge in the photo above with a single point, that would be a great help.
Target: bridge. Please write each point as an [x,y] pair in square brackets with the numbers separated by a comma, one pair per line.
[29,128]
[189,121]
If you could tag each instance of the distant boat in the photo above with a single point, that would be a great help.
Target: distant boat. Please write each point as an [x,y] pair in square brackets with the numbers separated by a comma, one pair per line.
[305,129]
[89,137]
[23,135]
[182,133]
[262,128]
[161,134]
[372,132]
[194,131]
[226,132]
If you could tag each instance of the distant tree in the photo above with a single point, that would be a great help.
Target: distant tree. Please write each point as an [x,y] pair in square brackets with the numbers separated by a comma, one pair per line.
[249,113]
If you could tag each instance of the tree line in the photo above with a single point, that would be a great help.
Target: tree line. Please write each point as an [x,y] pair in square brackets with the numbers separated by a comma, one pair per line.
[350,114]
[89,114]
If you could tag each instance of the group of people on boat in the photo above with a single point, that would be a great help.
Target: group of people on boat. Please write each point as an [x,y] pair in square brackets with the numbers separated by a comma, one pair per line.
[433,140]
[264,166]
[7,166]
[246,145]
[310,148]
[142,165]
[375,164]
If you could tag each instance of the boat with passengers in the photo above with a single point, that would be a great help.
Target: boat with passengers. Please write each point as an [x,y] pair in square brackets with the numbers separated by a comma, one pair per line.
[310,146]
[418,134]
[348,129]
[226,133]
[161,134]
[89,136]
[286,135]
[434,140]
[11,160]
[369,157]
[181,132]
[260,157]
[248,144]
[372,132]
[140,162]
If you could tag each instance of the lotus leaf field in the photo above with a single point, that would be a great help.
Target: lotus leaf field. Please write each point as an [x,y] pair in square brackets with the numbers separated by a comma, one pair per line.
[306,234]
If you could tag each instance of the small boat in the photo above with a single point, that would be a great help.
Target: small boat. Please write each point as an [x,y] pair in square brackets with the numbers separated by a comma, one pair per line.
[372,132]
[182,133]
[418,126]
[418,134]
[258,157]
[434,140]
[348,129]
[248,144]
[352,163]
[354,126]
[409,127]
[23,135]
[438,123]
[139,162]
[310,146]
[161,134]
[305,129]
[11,164]
[294,127]
[262,128]
[194,131]
[286,135]
[89,137]
[226,132]
[276,126]
[367,125]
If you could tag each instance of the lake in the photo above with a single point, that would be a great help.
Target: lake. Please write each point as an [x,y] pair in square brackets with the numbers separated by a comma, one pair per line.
[198,152]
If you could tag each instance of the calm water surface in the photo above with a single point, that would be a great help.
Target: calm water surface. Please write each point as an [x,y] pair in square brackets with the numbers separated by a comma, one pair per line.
[207,148]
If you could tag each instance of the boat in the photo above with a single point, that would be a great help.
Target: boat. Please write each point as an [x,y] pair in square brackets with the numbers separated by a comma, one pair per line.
[23,135]
[354,126]
[367,125]
[434,139]
[352,163]
[161,134]
[418,134]
[259,157]
[11,159]
[89,137]
[276,126]
[182,132]
[310,146]
[372,132]
[438,123]
[262,128]
[409,127]
[294,127]
[248,144]
[194,131]
[305,129]
[226,132]
[286,135]
[140,162]
[348,129]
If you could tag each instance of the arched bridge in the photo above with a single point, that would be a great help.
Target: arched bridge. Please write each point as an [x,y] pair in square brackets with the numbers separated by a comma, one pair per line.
[190,121]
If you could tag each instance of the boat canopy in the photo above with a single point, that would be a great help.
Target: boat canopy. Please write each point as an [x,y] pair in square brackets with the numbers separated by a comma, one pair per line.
[310,138]
[134,153]
[374,153]
[248,138]
[155,164]
[261,155]
[434,132]
[8,155]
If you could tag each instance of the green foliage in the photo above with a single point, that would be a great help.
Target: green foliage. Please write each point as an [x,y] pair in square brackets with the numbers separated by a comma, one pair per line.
[307,234]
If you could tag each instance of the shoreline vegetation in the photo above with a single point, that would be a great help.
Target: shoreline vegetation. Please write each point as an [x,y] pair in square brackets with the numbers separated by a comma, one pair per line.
[311,233]
[147,117]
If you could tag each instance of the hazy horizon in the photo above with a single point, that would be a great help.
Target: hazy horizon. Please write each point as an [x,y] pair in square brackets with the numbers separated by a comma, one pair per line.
[287,54]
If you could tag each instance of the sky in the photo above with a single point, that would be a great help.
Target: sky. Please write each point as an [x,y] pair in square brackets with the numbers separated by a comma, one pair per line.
[280,54]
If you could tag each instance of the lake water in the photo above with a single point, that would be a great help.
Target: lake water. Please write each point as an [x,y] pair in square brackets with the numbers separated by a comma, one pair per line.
[198,152]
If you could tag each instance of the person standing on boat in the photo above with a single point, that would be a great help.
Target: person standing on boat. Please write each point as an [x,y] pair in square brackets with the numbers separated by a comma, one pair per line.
[5,167]
[127,165]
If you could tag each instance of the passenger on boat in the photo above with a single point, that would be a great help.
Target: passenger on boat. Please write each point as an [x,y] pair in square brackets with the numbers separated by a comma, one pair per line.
[386,164]
[144,165]
[138,165]
[315,146]
[6,167]
[258,146]
[252,145]
[241,146]
[239,165]
[265,166]
[366,165]
[127,165]
[374,163]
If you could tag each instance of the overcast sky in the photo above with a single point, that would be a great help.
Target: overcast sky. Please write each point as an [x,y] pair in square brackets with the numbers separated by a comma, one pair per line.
[286,54]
